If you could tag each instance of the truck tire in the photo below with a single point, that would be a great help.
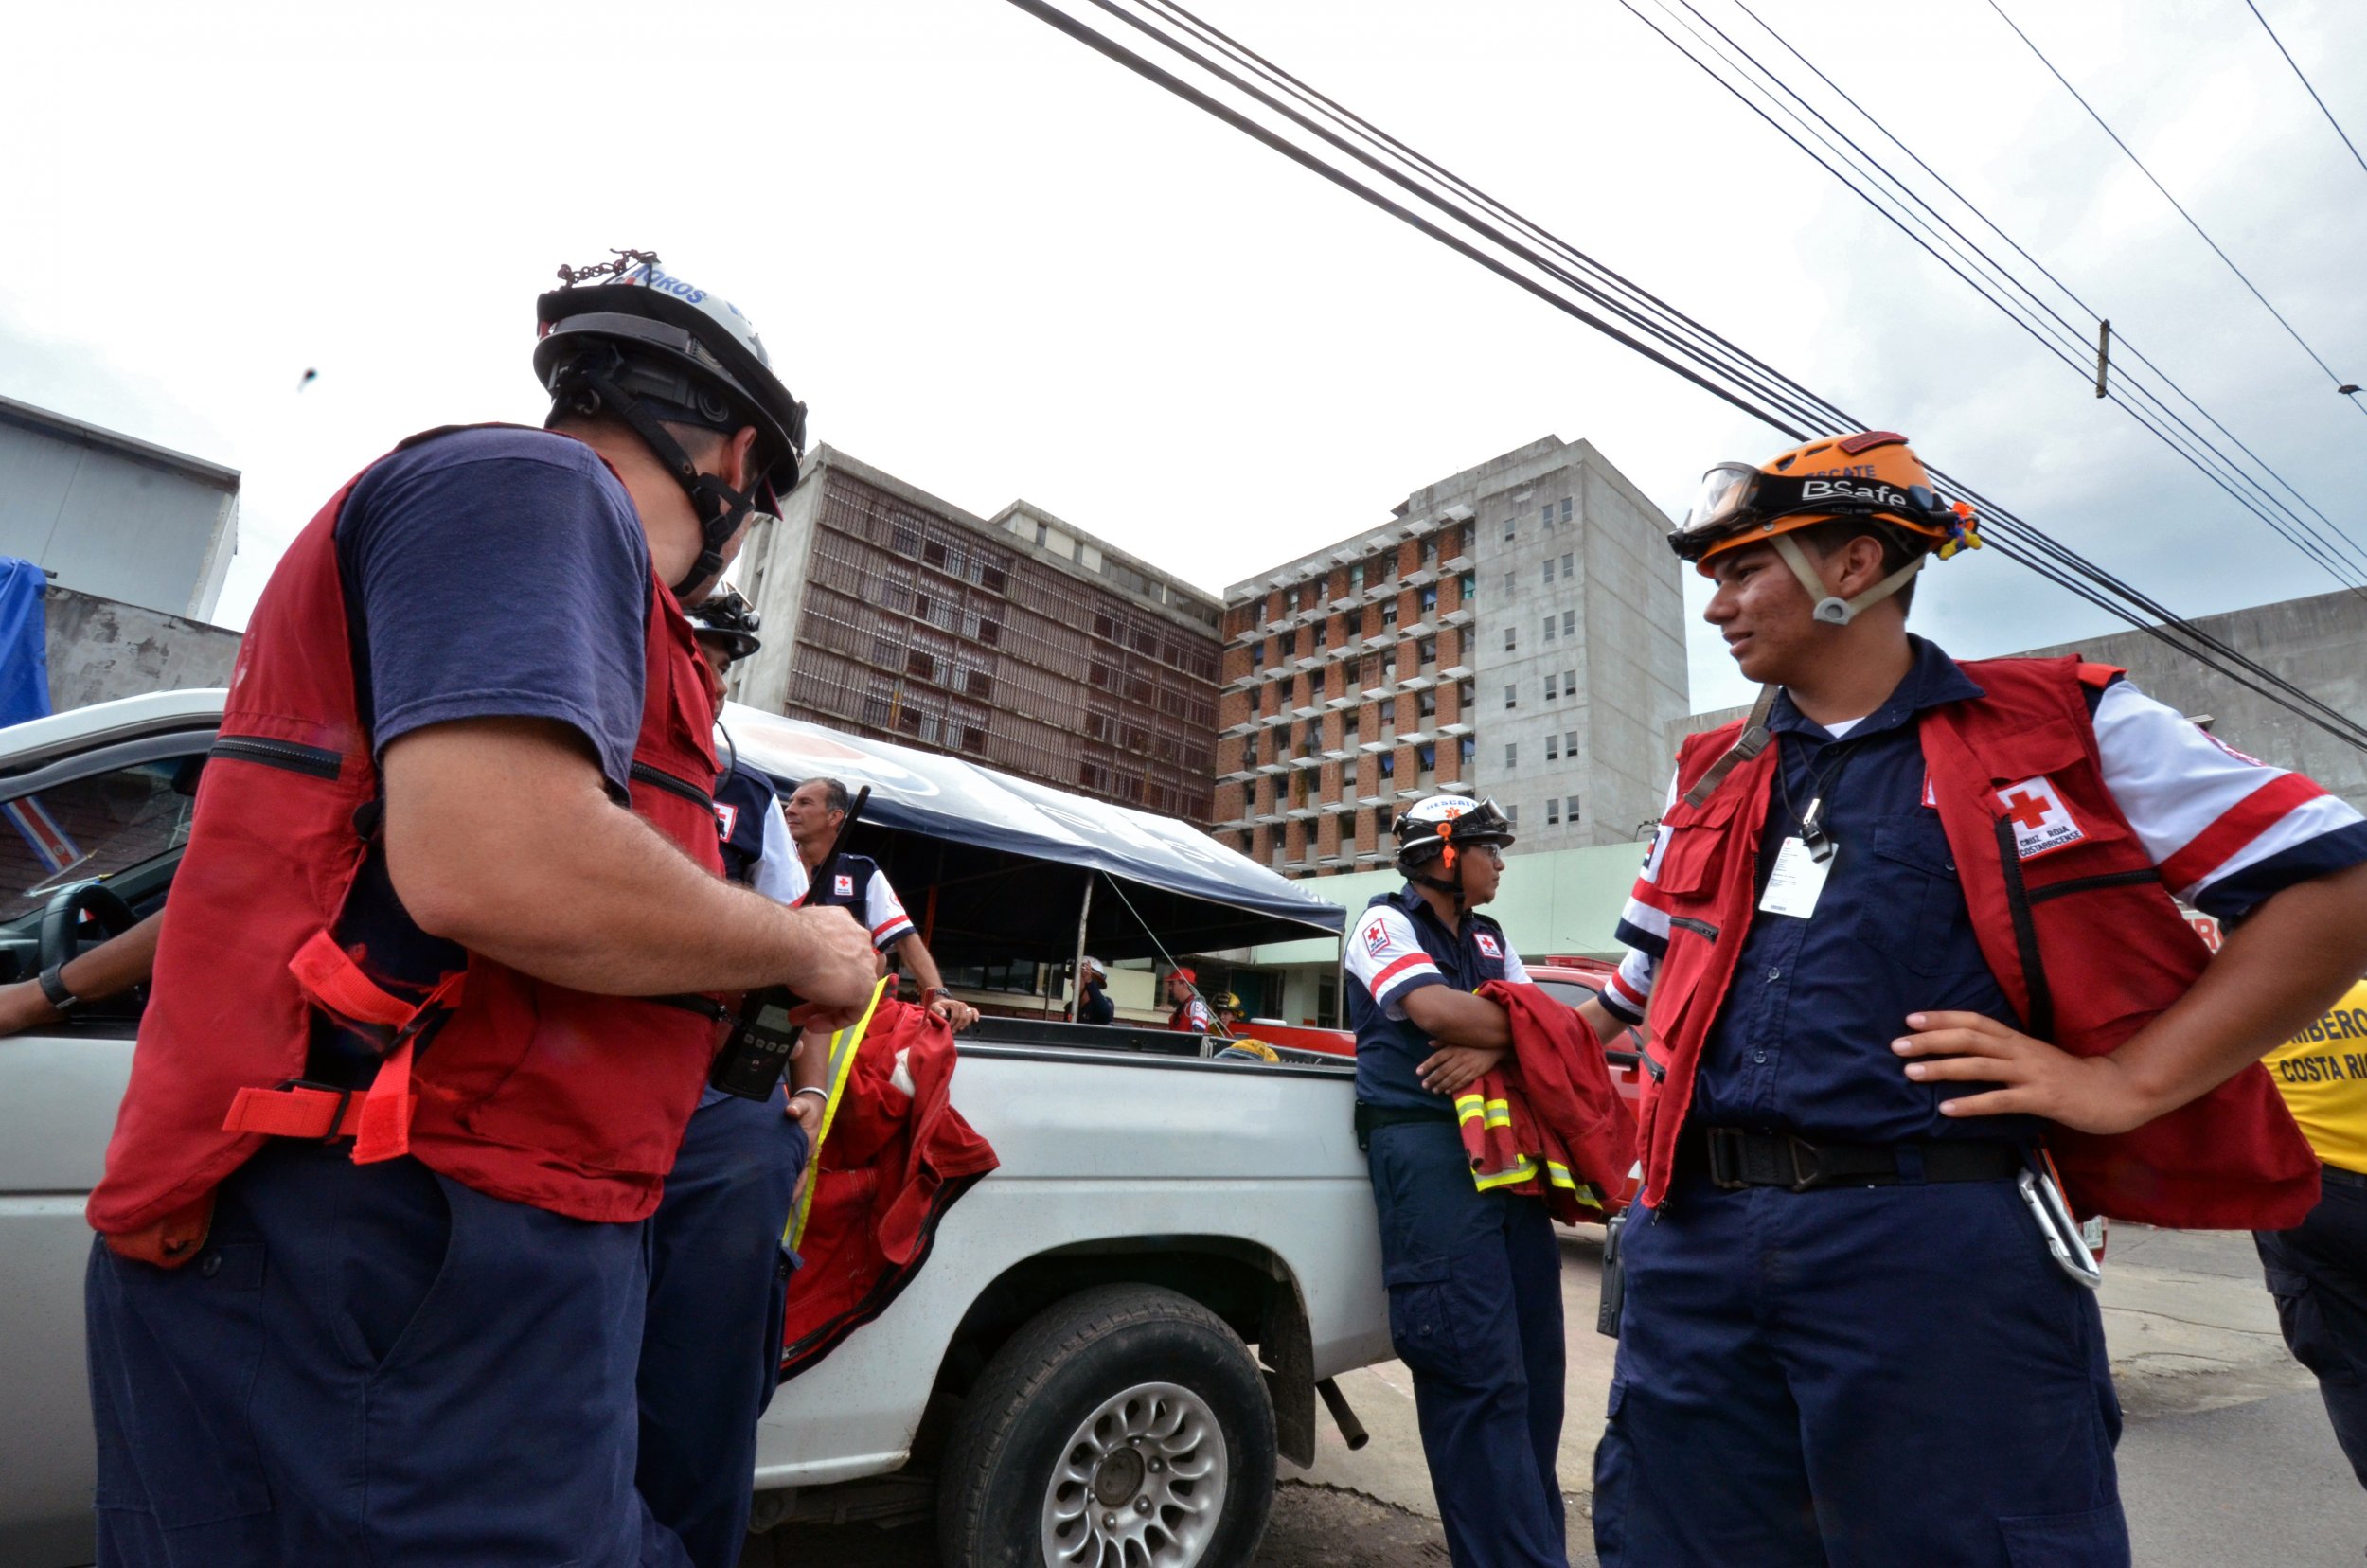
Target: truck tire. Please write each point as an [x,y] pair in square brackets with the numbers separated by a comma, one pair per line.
[1123,1427]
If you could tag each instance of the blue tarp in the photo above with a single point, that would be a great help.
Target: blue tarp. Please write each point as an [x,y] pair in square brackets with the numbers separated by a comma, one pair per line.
[948,799]
[24,642]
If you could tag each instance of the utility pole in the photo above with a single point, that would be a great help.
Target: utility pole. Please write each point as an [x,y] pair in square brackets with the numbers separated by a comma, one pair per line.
[2104,353]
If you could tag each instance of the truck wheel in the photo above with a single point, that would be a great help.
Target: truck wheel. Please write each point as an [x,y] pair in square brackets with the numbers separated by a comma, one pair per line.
[1125,1427]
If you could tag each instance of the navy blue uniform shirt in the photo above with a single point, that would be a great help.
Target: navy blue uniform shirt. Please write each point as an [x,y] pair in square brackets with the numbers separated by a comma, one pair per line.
[1803,1043]
[1396,947]
[489,573]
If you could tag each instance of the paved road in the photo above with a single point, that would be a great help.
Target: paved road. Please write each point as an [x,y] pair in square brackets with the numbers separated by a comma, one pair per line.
[2227,1458]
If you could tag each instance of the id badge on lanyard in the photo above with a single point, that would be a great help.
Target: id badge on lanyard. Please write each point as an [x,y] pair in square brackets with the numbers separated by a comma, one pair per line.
[1801,863]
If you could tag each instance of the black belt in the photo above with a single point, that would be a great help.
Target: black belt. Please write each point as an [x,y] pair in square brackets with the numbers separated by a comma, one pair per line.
[2335,1174]
[1734,1158]
[1372,1118]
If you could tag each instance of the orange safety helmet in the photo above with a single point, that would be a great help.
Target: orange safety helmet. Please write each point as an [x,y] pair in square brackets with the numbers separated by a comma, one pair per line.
[1874,475]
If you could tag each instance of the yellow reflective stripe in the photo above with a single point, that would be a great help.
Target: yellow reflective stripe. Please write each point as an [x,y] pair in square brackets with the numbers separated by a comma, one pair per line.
[1560,1173]
[1525,1171]
[1500,1118]
[843,1047]
[1466,1107]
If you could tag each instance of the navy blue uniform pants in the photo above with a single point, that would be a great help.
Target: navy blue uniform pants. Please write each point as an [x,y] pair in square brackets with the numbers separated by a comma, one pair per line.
[1475,1313]
[2318,1271]
[1859,1378]
[372,1364]
[711,1351]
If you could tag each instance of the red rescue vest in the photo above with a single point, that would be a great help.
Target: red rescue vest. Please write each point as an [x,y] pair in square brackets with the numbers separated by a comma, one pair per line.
[530,1092]
[2084,940]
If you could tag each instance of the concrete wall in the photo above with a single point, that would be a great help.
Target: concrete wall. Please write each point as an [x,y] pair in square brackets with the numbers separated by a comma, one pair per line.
[2319,643]
[100,650]
[107,515]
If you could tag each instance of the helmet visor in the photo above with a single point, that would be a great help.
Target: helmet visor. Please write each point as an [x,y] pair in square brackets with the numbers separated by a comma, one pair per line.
[1722,501]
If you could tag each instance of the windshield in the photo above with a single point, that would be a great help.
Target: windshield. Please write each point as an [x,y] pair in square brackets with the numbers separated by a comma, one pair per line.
[90,828]
[1568,992]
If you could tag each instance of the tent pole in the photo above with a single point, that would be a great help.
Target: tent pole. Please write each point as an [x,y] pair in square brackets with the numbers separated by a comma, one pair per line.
[1077,970]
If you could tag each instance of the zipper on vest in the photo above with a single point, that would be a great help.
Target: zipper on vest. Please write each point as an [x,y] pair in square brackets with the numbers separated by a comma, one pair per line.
[2092,884]
[1699,927]
[658,779]
[316,760]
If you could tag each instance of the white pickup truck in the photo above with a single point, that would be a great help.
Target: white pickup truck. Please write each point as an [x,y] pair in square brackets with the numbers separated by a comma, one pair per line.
[1117,1335]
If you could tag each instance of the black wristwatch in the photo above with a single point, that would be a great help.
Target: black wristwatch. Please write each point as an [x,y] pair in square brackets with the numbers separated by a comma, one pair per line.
[53,987]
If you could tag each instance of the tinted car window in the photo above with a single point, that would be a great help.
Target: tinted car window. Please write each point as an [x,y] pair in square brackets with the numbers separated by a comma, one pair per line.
[1568,992]
[93,826]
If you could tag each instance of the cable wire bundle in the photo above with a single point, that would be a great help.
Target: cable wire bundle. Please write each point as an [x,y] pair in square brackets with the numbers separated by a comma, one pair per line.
[1451,210]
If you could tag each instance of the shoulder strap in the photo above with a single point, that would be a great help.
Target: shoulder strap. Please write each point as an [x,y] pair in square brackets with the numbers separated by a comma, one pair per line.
[1753,740]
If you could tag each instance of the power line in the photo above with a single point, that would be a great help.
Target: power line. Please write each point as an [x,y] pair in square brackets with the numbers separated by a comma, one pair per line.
[2127,346]
[1785,405]
[2193,446]
[2306,88]
[2175,203]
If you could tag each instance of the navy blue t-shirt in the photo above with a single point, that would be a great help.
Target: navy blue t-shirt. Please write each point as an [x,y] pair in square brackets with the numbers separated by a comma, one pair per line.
[489,573]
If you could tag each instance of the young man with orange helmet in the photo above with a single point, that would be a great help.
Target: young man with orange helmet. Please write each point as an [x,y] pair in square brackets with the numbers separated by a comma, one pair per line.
[1915,973]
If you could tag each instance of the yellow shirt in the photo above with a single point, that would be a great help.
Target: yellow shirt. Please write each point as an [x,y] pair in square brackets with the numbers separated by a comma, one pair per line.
[2322,1074]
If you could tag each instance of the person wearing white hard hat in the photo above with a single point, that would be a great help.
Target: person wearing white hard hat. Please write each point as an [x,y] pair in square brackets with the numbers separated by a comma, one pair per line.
[1093,1003]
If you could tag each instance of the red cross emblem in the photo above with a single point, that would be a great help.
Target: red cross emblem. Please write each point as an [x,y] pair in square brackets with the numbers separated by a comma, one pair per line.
[2042,823]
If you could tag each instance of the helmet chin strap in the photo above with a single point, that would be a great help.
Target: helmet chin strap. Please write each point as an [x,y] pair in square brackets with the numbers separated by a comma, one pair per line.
[720,510]
[1830,609]
[1452,889]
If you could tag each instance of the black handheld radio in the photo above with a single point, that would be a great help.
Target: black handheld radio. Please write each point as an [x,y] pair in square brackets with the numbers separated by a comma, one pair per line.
[757,1052]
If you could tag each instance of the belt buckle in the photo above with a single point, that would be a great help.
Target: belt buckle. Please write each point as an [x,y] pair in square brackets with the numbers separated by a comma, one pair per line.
[344,1098]
[1808,1169]
[1723,1145]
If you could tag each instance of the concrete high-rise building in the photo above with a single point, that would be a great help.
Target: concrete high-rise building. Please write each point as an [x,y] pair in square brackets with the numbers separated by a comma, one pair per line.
[1019,640]
[1515,630]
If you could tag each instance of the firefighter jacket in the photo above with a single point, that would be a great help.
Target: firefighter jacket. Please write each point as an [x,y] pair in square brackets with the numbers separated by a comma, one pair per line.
[527,1091]
[2077,929]
[892,1157]
[1548,1122]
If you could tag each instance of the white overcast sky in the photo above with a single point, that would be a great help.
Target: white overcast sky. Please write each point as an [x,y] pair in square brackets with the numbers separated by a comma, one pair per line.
[997,265]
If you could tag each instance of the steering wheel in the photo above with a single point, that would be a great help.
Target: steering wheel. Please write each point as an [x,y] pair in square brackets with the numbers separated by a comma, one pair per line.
[64,912]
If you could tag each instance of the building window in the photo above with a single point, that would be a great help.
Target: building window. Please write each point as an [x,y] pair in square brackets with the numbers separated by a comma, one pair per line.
[1429,702]
[1549,629]
[1427,650]
[1549,570]
[1512,696]
[1467,695]
[1507,585]
[1570,683]
[1388,764]
[1430,597]
[1509,639]
[1569,744]
[1512,816]
[1510,526]
[1467,749]
[1552,747]
[1565,508]
[1384,818]
[1389,614]
[1570,810]
[1565,566]
[1569,623]
[1427,757]
[1512,754]
[1545,514]
[1471,588]
[1553,812]
[1549,686]
[1356,578]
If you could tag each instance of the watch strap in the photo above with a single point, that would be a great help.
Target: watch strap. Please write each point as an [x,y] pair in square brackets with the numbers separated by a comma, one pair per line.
[53,987]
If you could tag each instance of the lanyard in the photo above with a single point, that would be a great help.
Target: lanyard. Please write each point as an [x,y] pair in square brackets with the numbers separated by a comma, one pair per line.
[1813,837]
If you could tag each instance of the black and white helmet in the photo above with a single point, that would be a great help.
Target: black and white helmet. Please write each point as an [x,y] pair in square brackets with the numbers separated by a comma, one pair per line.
[645,345]
[728,617]
[1433,828]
